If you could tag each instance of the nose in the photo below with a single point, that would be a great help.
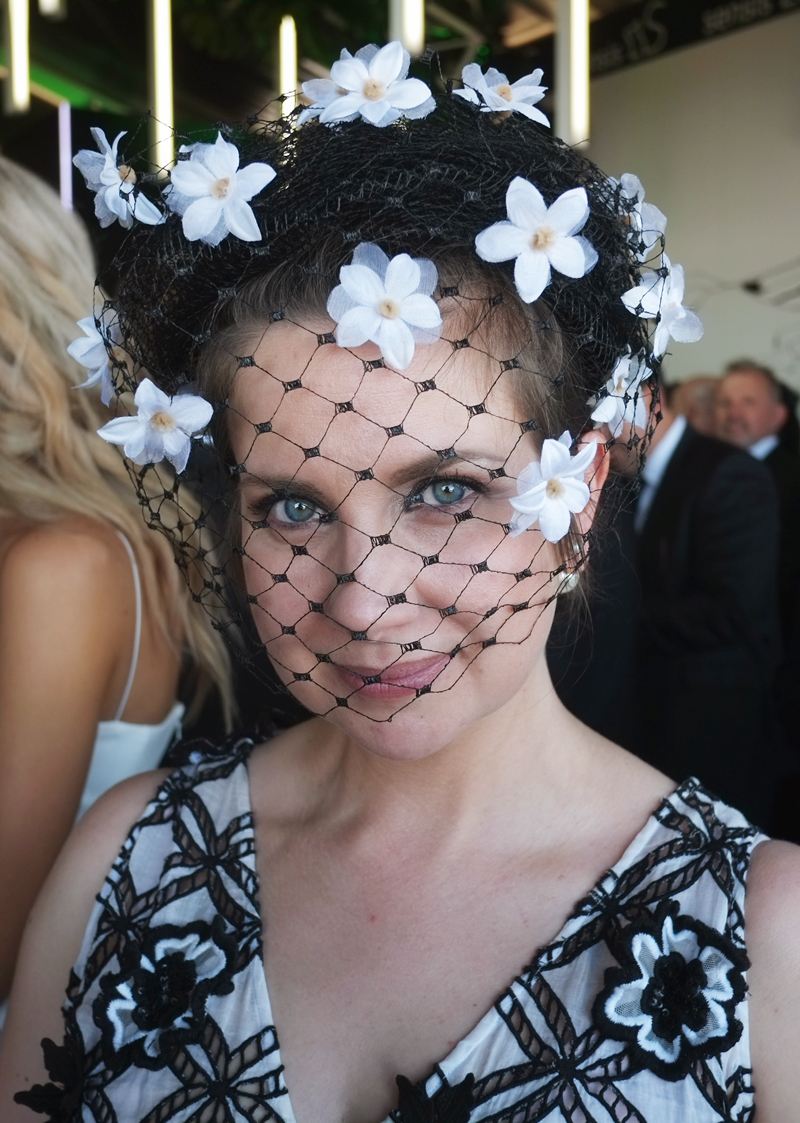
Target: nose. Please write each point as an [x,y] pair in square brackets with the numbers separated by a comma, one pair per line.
[372,596]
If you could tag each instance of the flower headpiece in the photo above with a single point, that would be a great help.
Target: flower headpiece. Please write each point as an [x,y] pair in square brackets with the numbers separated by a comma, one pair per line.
[454,237]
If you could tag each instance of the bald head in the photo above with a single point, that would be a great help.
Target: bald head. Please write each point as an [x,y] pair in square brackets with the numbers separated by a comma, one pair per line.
[749,405]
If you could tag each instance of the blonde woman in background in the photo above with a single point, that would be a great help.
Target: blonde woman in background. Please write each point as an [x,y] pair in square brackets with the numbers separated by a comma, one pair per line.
[96,623]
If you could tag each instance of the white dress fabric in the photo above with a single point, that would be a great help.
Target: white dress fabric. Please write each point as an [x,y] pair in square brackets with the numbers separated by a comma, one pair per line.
[635,1013]
[122,748]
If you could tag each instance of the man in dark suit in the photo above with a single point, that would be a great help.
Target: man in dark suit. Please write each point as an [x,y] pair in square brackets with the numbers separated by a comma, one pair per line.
[756,412]
[707,525]
[752,413]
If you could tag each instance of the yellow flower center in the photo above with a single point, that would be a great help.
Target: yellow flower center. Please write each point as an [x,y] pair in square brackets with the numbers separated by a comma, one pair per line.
[544,238]
[389,308]
[220,189]
[504,91]
[554,489]
[374,90]
[163,422]
[127,174]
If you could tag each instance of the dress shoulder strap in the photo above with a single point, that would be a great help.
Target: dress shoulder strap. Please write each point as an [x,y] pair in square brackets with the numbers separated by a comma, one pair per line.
[137,634]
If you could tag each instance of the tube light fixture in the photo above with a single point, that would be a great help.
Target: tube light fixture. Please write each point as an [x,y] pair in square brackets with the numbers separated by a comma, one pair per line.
[65,154]
[572,72]
[17,87]
[162,121]
[287,64]
[407,23]
[54,9]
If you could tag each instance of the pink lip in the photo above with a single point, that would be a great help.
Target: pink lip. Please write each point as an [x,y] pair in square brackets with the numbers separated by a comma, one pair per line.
[396,681]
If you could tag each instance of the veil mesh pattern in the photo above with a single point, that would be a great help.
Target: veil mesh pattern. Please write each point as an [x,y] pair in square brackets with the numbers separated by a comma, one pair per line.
[189,315]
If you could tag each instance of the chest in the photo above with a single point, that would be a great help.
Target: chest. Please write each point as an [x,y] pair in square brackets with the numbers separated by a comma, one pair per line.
[380,968]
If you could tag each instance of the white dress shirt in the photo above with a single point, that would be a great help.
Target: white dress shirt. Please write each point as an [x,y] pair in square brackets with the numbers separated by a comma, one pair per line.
[761,449]
[654,469]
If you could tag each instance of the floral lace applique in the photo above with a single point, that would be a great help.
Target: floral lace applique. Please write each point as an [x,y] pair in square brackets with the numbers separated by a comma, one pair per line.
[675,994]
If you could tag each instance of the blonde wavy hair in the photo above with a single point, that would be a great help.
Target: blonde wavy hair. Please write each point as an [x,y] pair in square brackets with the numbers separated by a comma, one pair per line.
[52,463]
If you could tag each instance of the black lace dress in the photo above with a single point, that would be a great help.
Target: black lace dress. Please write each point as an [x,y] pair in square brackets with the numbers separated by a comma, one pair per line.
[635,1013]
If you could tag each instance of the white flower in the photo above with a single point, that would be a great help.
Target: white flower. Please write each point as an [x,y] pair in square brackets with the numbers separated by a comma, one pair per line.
[497,96]
[212,192]
[695,994]
[539,237]
[371,84]
[622,402]
[648,224]
[91,351]
[162,428]
[157,999]
[114,185]
[552,489]
[387,302]
[660,295]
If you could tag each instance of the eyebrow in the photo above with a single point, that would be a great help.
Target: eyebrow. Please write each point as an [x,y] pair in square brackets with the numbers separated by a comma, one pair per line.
[427,468]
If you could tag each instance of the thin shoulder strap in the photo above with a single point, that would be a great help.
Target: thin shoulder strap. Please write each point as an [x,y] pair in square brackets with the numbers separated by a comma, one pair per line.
[137,635]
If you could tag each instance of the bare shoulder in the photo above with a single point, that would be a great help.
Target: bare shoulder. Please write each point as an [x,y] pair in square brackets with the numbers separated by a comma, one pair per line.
[55,932]
[76,551]
[773,946]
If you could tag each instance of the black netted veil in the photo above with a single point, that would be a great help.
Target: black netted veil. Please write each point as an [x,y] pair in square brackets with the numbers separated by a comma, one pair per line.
[425,188]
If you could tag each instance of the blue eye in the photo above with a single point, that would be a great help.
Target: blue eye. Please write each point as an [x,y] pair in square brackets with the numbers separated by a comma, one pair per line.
[444,492]
[294,511]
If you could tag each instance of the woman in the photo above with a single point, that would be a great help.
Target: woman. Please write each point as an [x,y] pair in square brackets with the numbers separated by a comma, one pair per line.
[402,328]
[95,622]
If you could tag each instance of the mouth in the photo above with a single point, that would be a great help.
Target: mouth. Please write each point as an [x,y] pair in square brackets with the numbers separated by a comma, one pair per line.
[400,680]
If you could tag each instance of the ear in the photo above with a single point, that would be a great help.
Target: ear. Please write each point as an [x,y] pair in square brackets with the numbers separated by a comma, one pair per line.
[595,477]
[781,414]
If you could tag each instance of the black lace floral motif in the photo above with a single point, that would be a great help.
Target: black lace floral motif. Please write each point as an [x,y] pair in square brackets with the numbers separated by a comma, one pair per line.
[447,1105]
[183,927]
[673,997]
[157,1000]
[62,1097]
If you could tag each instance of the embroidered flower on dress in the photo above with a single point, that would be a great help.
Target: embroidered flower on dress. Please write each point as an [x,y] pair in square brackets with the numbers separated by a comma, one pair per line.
[539,237]
[162,427]
[212,192]
[115,185]
[675,994]
[659,296]
[494,94]
[158,998]
[60,1099]
[552,489]
[622,401]
[371,84]
[387,302]
[450,1104]
[92,352]
[647,223]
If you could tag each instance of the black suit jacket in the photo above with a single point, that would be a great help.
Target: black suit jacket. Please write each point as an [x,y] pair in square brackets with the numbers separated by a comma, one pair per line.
[785,469]
[708,627]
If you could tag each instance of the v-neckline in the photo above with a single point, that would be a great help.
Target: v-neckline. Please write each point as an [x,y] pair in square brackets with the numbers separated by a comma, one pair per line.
[482,1026]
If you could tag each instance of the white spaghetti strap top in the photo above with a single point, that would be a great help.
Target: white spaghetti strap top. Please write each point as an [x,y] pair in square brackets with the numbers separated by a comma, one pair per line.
[121,748]
[137,632]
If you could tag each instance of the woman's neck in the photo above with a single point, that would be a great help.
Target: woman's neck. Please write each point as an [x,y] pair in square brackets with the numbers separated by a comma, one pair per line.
[529,755]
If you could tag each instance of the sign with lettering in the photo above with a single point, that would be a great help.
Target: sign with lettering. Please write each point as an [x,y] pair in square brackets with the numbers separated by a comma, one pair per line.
[654,27]
[647,30]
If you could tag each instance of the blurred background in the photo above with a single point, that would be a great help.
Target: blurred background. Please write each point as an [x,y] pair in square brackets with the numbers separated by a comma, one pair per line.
[700,98]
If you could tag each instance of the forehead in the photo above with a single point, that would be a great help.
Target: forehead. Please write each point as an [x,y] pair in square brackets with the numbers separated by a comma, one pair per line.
[345,405]
[747,384]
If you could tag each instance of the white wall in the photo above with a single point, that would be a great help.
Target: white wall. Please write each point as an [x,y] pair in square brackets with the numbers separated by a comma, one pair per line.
[713,132]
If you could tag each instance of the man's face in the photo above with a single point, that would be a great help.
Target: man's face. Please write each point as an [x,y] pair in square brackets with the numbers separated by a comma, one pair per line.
[747,409]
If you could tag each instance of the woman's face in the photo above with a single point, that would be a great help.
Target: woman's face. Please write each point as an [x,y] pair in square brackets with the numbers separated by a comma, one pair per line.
[374,509]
